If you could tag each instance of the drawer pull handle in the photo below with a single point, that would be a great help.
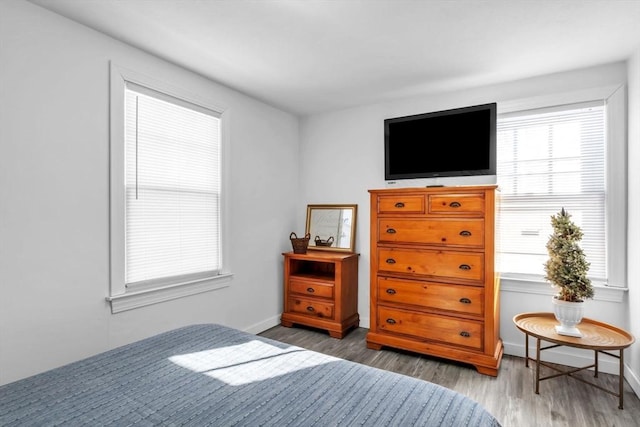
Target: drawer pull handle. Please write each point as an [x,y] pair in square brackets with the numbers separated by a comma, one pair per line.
[311,309]
[311,290]
[391,291]
[455,204]
[464,267]
[465,300]
[390,261]
[391,230]
[465,233]
[465,334]
[391,321]
[399,205]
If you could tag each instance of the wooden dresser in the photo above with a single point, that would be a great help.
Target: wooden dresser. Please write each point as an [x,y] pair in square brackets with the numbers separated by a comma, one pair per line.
[434,289]
[321,291]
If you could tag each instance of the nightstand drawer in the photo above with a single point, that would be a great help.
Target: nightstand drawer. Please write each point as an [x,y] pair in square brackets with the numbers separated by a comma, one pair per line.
[306,287]
[439,296]
[444,264]
[458,232]
[458,332]
[311,307]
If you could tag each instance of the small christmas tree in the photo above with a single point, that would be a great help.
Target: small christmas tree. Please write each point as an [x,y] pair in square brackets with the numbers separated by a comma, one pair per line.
[567,266]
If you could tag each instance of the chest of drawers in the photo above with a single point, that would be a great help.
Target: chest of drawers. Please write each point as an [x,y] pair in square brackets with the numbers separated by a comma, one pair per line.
[321,291]
[434,289]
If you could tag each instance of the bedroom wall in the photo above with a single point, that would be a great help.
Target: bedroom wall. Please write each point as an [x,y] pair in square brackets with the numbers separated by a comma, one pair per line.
[342,157]
[54,197]
[633,354]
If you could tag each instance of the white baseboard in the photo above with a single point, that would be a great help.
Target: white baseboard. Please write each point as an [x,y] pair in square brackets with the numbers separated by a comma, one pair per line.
[632,379]
[262,326]
[365,322]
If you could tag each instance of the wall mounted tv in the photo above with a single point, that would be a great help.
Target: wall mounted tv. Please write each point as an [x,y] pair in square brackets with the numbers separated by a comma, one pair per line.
[460,142]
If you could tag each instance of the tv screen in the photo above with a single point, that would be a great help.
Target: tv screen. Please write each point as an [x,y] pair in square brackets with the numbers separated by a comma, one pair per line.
[449,143]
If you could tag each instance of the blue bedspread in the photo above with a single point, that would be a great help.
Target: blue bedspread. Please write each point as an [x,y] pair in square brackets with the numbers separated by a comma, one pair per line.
[211,375]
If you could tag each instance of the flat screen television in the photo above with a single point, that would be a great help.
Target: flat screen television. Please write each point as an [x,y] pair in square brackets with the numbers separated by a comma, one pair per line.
[460,142]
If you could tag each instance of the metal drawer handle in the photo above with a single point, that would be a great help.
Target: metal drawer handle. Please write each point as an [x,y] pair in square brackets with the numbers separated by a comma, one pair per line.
[391,321]
[399,205]
[391,291]
[391,230]
[464,267]
[465,233]
[311,290]
[455,204]
[311,309]
[465,300]
[465,334]
[390,261]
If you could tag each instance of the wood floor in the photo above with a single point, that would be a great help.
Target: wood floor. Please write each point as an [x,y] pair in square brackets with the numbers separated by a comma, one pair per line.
[510,396]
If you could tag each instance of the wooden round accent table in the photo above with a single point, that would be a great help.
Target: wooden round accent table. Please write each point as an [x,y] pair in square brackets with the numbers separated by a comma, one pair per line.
[597,336]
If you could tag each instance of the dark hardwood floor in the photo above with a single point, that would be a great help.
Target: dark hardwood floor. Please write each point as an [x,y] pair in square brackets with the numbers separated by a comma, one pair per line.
[510,396]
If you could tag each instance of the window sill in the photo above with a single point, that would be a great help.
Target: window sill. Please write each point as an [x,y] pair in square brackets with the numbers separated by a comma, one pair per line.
[532,286]
[139,298]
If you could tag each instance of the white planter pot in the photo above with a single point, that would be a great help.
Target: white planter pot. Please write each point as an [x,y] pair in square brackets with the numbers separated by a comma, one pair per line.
[569,314]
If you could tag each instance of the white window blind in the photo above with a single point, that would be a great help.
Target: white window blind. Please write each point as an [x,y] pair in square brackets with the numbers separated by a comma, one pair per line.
[172,168]
[549,159]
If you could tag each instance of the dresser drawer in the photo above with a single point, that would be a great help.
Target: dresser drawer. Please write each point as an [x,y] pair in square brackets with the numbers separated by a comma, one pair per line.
[410,204]
[311,307]
[306,287]
[455,298]
[462,232]
[467,333]
[467,203]
[445,264]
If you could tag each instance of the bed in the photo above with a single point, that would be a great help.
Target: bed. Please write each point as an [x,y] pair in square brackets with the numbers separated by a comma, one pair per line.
[212,375]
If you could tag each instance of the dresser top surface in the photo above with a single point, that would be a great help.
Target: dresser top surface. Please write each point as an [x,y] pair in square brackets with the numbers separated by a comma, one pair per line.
[315,255]
[444,189]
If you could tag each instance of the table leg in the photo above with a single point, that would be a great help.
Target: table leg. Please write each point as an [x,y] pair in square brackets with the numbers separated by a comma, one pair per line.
[526,350]
[538,366]
[621,378]
[595,362]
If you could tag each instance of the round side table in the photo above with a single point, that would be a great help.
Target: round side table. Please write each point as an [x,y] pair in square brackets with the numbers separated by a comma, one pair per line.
[597,336]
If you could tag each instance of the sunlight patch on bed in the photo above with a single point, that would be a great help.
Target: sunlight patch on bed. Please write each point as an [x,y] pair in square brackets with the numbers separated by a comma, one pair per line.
[250,362]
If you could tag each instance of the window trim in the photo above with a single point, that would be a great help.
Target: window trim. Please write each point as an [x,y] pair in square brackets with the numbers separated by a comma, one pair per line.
[121,298]
[614,97]
[533,286]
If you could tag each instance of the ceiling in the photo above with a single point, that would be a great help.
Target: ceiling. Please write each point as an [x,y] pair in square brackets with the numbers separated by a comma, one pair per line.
[310,56]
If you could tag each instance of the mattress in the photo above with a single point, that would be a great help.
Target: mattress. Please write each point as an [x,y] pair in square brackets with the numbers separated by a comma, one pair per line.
[212,375]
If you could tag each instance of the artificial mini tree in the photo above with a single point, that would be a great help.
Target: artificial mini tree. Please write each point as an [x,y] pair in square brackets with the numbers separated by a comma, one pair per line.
[567,266]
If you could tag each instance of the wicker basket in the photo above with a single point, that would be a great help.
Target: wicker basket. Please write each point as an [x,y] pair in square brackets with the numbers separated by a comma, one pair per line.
[299,244]
[319,242]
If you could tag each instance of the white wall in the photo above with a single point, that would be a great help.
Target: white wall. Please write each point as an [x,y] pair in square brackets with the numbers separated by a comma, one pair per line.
[342,155]
[54,195]
[633,270]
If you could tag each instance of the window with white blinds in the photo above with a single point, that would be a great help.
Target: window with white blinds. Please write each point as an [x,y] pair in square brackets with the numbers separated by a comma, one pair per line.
[172,182]
[550,159]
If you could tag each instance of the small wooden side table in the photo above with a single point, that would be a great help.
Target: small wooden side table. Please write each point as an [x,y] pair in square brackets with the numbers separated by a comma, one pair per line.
[321,291]
[597,336]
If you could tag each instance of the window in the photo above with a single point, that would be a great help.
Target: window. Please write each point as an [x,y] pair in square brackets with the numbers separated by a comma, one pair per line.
[166,193]
[172,163]
[548,159]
